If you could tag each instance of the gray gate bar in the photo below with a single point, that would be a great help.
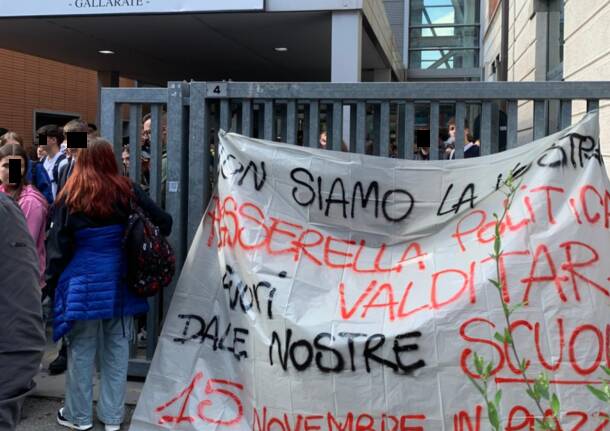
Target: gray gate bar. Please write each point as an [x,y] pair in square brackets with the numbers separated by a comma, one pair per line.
[400,131]
[351,145]
[291,122]
[485,125]
[495,125]
[566,113]
[416,90]
[360,127]
[198,158]
[153,318]
[376,129]
[246,117]
[135,149]
[592,105]
[156,154]
[460,116]
[269,120]
[408,129]
[313,119]
[512,124]
[225,115]
[111,124]
[177,177]
[540,119]
[384,129]
[337,126]
[434,131]
[135,95]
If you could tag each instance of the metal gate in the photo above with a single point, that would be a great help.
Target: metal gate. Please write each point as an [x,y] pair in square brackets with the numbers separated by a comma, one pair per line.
[375,118]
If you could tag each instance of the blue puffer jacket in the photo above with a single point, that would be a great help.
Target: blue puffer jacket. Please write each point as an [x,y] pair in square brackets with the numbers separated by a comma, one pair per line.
[92,286]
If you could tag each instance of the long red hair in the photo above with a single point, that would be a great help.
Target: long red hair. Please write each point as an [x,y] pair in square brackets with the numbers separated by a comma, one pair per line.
[96,186]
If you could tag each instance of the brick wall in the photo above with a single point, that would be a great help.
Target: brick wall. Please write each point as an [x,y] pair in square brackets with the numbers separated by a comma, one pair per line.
[29,83]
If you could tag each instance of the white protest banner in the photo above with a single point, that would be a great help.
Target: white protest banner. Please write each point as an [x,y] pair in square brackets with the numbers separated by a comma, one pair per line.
[333,291]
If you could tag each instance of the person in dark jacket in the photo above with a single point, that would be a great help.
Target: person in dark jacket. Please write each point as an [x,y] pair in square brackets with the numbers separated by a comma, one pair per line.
[22,338]
[73,126]
[86,265]
[60,363]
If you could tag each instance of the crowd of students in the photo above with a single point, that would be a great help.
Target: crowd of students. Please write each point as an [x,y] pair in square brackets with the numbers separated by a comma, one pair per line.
[67,208]
[446,145]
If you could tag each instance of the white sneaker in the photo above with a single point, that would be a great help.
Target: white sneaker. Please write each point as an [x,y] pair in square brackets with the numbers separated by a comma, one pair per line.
[112,427]
[66,423]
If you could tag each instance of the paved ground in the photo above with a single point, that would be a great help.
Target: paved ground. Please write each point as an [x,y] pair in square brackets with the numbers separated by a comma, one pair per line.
[39,415]
[41,408]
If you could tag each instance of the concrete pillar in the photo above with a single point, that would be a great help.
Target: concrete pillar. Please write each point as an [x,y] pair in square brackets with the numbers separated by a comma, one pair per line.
[542,41]
[346,46]
[405,38]
[346,54]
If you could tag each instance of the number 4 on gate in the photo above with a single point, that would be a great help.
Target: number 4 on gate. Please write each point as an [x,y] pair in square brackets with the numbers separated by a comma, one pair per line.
[213,387]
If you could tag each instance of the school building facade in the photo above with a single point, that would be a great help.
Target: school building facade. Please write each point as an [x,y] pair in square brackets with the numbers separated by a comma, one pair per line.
[548,40]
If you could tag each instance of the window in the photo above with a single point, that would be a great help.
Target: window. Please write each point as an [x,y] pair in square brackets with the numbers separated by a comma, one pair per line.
[42,118]
[444,34]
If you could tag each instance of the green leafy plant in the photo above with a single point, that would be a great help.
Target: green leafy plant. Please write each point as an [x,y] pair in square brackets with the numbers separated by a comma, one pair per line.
[602,393]
[538,389]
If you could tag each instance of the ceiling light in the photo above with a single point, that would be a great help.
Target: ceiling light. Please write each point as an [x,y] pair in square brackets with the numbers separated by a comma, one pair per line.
[281,49]
[106,51]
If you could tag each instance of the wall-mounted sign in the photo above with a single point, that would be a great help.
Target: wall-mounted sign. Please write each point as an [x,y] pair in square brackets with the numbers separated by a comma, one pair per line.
[10,8]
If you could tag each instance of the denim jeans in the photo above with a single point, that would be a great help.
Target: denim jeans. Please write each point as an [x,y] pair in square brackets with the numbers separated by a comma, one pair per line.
[83,341]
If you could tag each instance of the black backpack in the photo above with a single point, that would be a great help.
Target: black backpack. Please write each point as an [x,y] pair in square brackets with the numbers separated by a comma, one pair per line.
[151,262]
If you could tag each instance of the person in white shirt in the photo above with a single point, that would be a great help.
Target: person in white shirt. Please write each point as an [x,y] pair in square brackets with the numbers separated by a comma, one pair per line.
[56,158]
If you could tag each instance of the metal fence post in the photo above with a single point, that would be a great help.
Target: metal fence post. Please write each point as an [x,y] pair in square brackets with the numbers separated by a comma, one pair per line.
[111,122]
[177,177]
[198,158]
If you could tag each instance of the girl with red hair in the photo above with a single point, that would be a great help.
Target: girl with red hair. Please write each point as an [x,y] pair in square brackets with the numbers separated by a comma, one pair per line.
[87,268]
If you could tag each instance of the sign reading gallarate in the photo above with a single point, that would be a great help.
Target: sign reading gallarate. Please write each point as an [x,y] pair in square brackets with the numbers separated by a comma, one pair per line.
[14,8]
[329,291]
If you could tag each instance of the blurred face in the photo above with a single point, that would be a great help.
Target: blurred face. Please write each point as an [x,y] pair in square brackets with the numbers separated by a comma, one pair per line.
[146,130]
[323,140]
[125,157]
[452,133]
[41,151]
[52,143]
[4,169]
